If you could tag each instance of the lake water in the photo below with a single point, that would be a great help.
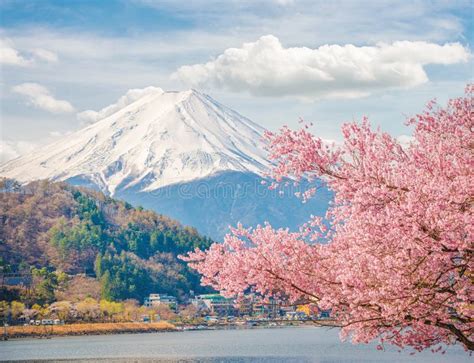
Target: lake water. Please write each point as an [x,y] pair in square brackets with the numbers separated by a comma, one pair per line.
[319,345]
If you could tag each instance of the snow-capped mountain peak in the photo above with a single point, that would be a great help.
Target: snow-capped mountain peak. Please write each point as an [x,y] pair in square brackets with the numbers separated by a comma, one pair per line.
[159,139]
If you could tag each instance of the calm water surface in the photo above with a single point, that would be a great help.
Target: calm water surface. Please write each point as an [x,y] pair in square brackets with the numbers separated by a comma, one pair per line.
[319,345]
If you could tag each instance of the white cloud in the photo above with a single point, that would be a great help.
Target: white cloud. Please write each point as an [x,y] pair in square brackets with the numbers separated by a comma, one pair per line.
[147,56]
[90,116]
[45,55]
[40,97]
[266,68]
[9,55]
[12,149]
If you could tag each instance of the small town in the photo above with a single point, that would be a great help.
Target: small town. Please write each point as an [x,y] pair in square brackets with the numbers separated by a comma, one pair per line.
[250,310]
[43,303]
[205,311]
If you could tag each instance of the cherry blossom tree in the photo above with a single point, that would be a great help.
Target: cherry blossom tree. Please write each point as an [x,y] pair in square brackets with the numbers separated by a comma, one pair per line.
[393,257]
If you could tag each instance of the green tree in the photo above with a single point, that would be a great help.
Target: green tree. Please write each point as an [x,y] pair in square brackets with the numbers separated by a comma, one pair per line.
[44,285]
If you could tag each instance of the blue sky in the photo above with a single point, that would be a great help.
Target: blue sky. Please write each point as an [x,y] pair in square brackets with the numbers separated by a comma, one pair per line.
[327,62]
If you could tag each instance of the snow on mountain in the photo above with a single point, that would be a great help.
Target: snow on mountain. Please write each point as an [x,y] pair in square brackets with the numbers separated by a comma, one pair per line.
[181,154]
[161,138]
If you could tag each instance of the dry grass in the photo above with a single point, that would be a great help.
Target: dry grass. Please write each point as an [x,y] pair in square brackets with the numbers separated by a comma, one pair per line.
[87,328]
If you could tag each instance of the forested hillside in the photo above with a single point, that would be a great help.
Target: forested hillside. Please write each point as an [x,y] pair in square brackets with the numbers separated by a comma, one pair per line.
[130,251]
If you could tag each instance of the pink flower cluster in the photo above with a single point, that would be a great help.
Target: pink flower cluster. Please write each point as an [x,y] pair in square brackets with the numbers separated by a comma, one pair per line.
[393,258]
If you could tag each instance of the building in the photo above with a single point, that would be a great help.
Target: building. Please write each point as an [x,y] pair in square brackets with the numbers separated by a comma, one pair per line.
[287,311]
[215,303]
[245,306]
[267,309]
[159,299]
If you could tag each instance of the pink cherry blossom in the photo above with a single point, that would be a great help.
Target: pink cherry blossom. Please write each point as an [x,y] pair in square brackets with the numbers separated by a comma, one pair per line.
[393,257]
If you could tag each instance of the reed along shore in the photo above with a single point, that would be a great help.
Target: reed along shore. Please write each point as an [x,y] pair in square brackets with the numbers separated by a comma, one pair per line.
[84,329]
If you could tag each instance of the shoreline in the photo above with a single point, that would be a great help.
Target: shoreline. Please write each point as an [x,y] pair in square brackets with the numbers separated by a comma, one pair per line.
[90,329]
[48,331]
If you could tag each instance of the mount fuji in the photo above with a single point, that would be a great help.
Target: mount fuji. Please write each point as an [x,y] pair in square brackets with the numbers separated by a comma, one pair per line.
[179,153]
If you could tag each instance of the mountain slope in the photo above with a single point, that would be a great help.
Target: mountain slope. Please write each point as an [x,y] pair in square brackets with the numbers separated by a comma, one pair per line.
[224,199]
[182,154]
[132,252]
[160,139]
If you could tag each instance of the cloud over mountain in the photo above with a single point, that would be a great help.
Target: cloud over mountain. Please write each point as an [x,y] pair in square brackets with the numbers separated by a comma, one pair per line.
[40,97]
[12,149]
[90,116]
[267,68]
